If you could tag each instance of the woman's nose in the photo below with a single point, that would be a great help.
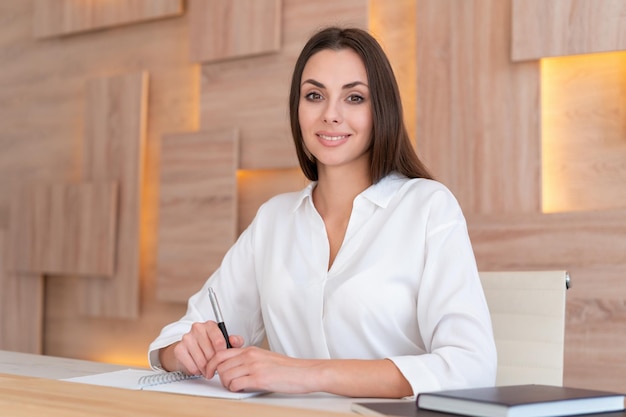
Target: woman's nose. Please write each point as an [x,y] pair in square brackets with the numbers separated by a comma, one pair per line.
[332,114]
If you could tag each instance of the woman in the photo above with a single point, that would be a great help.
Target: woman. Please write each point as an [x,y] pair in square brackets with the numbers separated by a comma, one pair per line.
[364,283]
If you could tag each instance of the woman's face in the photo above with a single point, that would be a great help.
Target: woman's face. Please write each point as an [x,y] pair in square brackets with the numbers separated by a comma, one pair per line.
[335,111]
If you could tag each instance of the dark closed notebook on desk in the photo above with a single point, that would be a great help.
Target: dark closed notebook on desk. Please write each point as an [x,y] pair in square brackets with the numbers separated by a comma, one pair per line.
[521,401]
[409,409]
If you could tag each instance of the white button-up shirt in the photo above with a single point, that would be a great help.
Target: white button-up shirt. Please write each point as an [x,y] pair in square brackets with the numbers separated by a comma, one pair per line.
[403,286]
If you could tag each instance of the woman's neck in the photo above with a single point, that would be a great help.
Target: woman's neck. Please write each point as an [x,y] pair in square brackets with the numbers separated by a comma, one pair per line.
[337,187]
[333,197]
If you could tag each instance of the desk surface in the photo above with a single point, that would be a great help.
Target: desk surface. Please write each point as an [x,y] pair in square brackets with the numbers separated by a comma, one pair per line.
[31,396]
[29,386]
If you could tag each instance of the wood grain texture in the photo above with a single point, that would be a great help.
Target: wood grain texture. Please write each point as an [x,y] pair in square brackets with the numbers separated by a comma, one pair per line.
[584,132]
[565,240]
[64,229]
[477,113]
[197,210]
[70,334]
[543,28]
[594,337]
[528,315]
[115,130]
[21,306]
[23,396]
[64,17]
[226,29]
[42,98]
[252,93]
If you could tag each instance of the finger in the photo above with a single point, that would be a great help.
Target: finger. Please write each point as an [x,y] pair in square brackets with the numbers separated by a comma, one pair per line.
[244,383]
[185,361]
[223,360]
[236,341]
[198,345]
[202,334]
[231,369]
[217,337]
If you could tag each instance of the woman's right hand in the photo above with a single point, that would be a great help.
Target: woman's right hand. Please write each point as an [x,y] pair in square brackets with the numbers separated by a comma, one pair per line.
[196,348]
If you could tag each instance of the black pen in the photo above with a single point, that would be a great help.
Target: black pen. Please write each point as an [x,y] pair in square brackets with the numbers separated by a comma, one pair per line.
[218,316]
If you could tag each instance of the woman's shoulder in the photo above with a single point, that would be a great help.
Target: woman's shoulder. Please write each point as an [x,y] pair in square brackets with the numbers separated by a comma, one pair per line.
[425,194]
[419,186]
[433,188]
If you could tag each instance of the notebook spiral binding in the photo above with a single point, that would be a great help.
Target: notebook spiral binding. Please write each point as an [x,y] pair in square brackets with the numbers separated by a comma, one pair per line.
[164,378]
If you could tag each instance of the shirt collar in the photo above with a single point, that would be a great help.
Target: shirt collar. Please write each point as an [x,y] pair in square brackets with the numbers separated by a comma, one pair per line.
[383,191]
[380,193]
[305,194]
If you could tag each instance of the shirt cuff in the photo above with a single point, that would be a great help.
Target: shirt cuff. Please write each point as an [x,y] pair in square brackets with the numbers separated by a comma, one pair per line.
[155,347]
[416,373]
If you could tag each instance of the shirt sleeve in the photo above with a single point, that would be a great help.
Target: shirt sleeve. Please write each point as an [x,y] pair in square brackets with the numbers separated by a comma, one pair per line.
[452,311]
[236,287]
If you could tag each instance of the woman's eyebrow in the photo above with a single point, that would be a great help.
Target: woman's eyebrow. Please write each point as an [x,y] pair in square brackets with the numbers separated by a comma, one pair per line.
[315,83]
[354,84]
[345,86]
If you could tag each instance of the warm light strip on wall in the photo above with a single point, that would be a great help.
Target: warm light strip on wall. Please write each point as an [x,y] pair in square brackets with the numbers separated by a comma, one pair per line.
[583,113]
[551,99]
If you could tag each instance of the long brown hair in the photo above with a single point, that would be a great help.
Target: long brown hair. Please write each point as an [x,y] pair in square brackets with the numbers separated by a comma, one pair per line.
[391,148]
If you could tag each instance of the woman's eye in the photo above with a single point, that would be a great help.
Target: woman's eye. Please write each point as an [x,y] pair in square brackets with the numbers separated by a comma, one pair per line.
[355,98]
[313,96]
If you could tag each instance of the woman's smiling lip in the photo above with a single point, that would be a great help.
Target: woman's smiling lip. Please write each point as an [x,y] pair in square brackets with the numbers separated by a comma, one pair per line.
[332,139]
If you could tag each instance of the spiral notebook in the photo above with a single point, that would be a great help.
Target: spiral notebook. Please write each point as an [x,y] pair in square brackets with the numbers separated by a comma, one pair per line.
[172,382]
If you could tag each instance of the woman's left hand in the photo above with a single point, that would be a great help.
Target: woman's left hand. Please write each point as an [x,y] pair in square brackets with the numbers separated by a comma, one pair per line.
[256,369]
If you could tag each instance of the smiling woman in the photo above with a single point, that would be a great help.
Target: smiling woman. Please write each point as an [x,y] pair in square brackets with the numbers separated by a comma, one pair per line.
[391,147]
[365,282]
[335,111]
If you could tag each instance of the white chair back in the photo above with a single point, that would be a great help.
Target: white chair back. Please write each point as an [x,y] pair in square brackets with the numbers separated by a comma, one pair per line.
[528,315]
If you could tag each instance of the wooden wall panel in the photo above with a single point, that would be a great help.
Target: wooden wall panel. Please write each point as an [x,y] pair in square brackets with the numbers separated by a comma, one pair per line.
[584,132]
[543,241]
[477,113]
[545,28]
[64,229]
[197,211]
[21,307]
[115,130]
[226,29]
[596,317]
[252,93]
[68,334]
[63,17]
[41,141]
[234,93]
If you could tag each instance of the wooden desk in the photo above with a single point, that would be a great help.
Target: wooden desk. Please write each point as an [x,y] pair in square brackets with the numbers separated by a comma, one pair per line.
[29,386]
[24,396]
